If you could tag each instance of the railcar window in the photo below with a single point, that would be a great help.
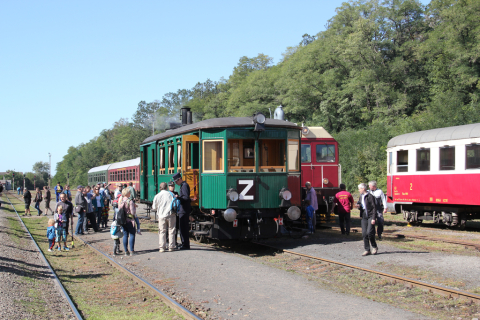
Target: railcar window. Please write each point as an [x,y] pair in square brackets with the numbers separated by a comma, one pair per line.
[241,155]
[447,158]
[153,162]
[171,165]
[179,157]
[213,156]
[402,161]
[272,155]
[306,153]
[472,156]
[325,153]
[293,155]
[423,159]
[162,161]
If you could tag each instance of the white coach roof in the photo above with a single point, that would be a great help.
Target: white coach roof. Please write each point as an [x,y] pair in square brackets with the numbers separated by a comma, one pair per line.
[441,134]
[317,132]
[127,163]
[101,168]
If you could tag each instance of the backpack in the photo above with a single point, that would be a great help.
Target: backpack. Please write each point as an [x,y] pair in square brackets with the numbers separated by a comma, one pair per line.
[115,202]
[116,231]
[174,205]
[122,214]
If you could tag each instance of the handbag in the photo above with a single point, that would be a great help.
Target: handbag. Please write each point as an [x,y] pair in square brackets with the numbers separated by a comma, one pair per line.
[78,209]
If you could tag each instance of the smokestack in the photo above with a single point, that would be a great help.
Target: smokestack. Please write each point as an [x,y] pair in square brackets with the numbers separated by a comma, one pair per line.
[189,117]
[183,113]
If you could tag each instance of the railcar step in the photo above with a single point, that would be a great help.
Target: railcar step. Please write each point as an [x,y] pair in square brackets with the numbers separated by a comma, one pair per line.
[200,233]
[206,223]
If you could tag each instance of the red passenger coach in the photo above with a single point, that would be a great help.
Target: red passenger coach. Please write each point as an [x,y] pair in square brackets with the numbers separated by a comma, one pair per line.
[319,157]
[434,174]
[125,172]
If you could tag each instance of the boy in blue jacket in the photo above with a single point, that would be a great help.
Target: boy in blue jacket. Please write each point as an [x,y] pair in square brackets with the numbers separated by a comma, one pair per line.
[51,234]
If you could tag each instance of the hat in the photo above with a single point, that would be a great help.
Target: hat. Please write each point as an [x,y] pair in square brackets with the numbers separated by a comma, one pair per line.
[171,183]
[177,176]
[79,187]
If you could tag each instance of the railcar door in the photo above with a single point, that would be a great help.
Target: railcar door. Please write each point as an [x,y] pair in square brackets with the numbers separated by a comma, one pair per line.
[306,160]
[191,166]
[151,172]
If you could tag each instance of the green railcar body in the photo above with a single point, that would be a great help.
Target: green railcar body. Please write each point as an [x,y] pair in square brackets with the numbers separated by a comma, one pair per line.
[201,153]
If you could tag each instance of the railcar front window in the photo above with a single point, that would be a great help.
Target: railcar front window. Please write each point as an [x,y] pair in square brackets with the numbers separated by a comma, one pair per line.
[241,155]
[293,155]
[325,153]
[447,158]
[213,156]
[306,153]
[472,156]
[402,161]
[423,159]
[272,155]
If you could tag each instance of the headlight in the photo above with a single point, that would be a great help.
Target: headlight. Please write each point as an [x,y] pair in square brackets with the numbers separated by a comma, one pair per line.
[285,194]
[230,214]
[260,118]
[293,213]
[232,195]
[325,181]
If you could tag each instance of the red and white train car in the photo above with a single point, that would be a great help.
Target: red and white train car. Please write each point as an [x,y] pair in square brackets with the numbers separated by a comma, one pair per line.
[124,172]
[320,166]
[434,174]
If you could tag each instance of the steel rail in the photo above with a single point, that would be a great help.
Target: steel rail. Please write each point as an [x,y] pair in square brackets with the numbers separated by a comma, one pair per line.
[451,293]
[169,301]
[57,280]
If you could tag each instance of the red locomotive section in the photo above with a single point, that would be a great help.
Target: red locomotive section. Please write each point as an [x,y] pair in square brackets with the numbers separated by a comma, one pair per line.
[457,189]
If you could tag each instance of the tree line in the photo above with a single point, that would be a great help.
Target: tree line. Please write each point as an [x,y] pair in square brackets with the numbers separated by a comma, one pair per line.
[380,69]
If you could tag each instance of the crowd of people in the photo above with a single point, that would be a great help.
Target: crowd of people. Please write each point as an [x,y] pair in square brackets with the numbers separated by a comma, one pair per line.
[92,204]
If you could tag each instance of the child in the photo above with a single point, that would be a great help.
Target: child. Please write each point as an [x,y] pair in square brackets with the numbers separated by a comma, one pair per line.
[105,214]
[51,234]
[60,231]
[116,232]
[310,213]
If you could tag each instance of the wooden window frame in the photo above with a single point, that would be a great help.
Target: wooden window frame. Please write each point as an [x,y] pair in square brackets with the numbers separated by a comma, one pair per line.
[223,156]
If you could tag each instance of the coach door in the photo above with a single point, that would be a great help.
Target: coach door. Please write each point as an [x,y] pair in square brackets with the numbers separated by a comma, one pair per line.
[306,160]
[191,165]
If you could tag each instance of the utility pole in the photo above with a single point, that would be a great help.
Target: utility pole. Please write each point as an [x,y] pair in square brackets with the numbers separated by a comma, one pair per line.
[49,169]
[68,178]
[24,181]
[34,180]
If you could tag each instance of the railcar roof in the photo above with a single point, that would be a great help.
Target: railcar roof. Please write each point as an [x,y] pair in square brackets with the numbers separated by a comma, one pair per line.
[100,168]
[221,123]
[434,135]
[126,163]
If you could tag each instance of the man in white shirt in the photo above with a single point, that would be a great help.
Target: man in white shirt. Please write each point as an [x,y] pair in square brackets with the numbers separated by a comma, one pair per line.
[166,219]
[381,206]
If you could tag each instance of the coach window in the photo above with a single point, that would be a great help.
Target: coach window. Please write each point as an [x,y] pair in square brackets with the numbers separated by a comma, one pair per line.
[390,161]
[306,153]
[423,159]
[402,161]
[241,155]
[472,156]
[293,155]
[325,153]
[213,156]
[272,155]
[447,158]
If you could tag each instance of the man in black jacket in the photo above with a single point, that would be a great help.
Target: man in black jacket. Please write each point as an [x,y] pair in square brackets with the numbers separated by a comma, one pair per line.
[184,210]
[368,213]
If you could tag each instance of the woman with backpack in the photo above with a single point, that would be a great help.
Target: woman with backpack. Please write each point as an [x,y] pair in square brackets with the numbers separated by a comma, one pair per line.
[127,207]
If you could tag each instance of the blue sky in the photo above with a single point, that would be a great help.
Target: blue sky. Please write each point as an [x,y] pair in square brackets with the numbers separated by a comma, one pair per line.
[70,69]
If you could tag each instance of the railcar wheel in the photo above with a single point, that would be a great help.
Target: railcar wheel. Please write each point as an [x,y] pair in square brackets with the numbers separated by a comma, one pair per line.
[462,225]
[201,239]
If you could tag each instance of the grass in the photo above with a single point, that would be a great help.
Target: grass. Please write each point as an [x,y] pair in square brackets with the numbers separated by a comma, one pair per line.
[99,290]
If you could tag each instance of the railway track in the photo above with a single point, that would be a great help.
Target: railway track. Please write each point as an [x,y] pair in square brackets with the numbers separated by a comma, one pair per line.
[451,293]
[165,298]
[57,281]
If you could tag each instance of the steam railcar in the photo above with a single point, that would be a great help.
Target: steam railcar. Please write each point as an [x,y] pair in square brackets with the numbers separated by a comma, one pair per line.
[320,167]
[244,173]
[434,174]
